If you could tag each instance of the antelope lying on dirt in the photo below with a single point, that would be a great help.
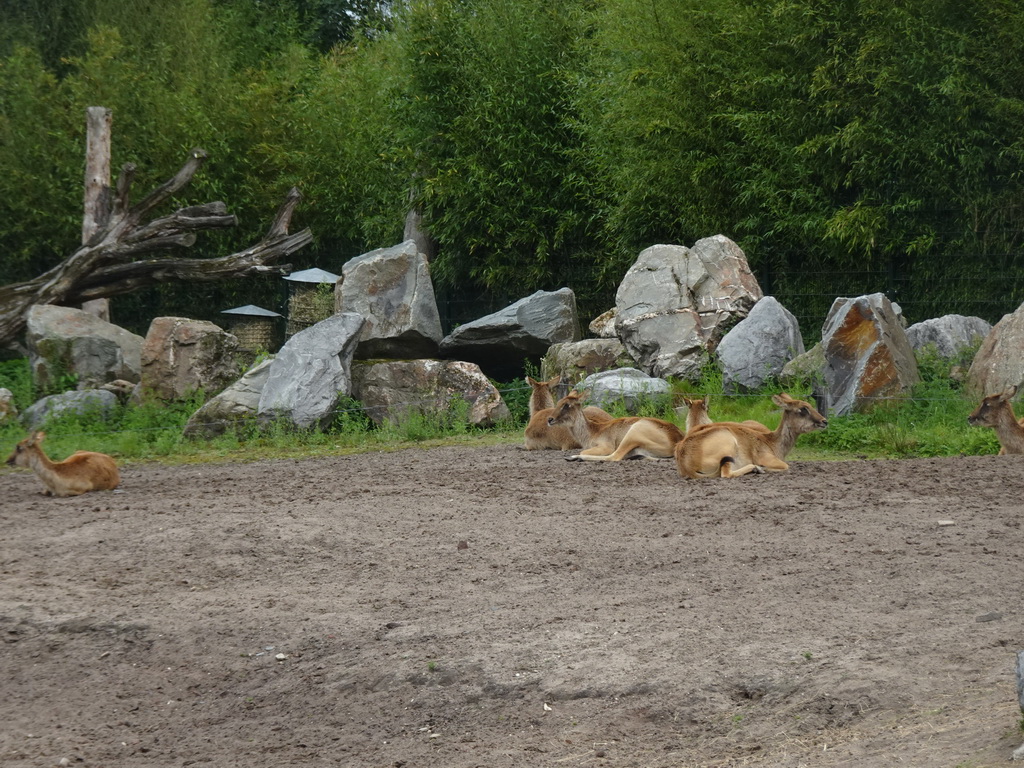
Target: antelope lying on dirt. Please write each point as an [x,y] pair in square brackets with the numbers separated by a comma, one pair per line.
[615,439]
[728,449]
[996,411]
[80,472]
[541,436]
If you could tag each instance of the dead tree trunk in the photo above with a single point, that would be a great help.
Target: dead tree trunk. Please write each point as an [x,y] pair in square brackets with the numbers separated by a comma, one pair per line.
[96,202]
[118,258]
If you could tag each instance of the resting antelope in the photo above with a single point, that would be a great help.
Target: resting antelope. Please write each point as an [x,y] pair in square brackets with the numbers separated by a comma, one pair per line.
[615,439]
[539,435]
[728,449]
[996,411]
[80,472]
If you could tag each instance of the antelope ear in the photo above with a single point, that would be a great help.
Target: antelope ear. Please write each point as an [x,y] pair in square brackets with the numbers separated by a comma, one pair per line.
[687,401]
[780,400]
[1011,392]
[584,394]
[554,381]
[37,437]
[531,381]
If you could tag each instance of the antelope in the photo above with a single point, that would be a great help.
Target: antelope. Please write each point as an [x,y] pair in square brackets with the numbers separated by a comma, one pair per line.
[80,472]
[614,439]
[540,436]
[696,411]
[728,449]
[697,414]
[996,411]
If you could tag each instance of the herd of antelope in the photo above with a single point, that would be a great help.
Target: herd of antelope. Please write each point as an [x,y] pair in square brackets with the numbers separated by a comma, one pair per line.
[705,449]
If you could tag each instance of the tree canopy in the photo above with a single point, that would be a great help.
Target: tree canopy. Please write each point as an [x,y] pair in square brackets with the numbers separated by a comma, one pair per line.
[846,146]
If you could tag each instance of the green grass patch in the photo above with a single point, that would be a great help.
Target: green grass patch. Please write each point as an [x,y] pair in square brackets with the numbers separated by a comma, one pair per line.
[931,422]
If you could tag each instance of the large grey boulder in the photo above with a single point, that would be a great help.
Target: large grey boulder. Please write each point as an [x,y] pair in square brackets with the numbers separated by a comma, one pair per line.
[62,340]
[391,289]
[999,362]
[675,303]
[949,334]
[575,360]
[628,387]
[234,405]
[390,390]
[868,357]
[311,372]
[759,346]
[85,402]
[499,342]
[181,356]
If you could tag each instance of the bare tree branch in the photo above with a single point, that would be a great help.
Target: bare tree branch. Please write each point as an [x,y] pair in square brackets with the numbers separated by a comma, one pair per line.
[110,264]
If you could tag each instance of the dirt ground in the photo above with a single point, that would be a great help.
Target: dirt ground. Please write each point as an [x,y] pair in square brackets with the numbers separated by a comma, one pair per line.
[486,606]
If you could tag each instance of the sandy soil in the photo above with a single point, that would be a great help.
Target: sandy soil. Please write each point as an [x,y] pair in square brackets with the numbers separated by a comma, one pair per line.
[487,606]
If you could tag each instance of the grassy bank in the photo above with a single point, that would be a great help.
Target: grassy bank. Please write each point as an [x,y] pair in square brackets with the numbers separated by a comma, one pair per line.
[932,422]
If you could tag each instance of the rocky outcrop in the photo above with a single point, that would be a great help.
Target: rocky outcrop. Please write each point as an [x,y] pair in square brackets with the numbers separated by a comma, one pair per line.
[499,342]
[390,390]
[627,387]
[759,346]
[91,403]
[391,289]
[999,362]
[867,354]
[603,326]
[233,406]
[64,341]
[949,335]
[311,372]
[181,356]
[575,360]
[675,304]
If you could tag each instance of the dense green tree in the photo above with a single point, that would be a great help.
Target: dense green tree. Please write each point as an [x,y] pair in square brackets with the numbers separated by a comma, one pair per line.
[488,125]
[874,140]
[848,146]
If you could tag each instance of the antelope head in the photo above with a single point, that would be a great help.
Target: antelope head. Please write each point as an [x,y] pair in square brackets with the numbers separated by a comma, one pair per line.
[19,457]
[803,416]
[987,414]
[567,408]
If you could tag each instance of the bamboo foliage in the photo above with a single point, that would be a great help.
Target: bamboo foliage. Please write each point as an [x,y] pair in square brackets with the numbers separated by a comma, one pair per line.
[547,143]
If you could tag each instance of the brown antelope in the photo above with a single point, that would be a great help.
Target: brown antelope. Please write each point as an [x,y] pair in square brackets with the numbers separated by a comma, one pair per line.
[728,449]
[614,439]
[696,410]
[996,411]
[542,394]
[541,436]
[80,472]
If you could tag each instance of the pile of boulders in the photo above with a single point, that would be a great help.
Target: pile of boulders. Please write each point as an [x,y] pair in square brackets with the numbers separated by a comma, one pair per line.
[677,310]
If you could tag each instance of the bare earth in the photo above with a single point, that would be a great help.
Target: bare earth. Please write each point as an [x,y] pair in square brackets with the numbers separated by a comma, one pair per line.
[491,607]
